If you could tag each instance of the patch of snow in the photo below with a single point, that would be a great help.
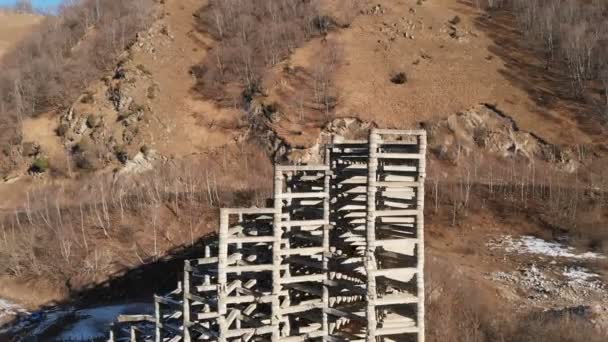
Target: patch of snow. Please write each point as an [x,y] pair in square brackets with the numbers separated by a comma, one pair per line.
[73,325]
[542,283]
[10,309]
[579,273]
[582,277]
[539,285]
[48,320]
[94,322]
[532,245]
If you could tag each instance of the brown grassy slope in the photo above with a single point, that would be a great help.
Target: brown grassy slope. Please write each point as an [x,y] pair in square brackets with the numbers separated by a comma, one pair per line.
[13,27]
[77,234]
[177,124]
[449,68]
[184,124]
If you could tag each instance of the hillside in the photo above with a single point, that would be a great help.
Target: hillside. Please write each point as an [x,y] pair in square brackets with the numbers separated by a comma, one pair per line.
[14,27]
[192,114]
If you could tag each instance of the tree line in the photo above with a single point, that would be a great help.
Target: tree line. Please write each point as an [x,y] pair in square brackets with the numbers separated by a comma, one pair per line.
[572,34]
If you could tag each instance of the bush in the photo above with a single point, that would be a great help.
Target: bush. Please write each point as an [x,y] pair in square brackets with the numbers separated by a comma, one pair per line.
[87,155]
[30,149]
[40,165]
[143,69]
[399,78]
[87,98]
[93,120]
[122,155]
[152,91]
[324,23]
[62,130]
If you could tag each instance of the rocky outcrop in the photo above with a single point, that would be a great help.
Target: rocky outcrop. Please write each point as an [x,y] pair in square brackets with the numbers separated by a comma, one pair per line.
[482,129]
[103,126]
[485,129]
[262,118]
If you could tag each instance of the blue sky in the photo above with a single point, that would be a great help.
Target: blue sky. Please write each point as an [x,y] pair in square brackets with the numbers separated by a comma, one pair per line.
[39,4]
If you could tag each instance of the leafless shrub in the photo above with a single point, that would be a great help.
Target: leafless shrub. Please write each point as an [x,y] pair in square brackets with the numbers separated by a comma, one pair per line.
[399,78]
[455,307]
[604,78]
[555,326]
[572,33]
[50,68]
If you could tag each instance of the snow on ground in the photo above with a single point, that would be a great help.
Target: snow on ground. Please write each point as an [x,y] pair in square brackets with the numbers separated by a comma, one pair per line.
[582,276]
[10,309]
[532,245]
[548,272]
[579,273]
[47,320]
[68,324]
[94,322]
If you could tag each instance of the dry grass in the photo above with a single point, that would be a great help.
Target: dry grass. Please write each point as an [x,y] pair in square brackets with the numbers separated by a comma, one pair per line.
[72,49]
[49,68]
[252,37]
[125,222]
[565,204]
[13,27]
[461,310]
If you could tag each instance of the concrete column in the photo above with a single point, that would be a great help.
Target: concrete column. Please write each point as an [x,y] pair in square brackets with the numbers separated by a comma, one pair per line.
[221,275]
[420,234]
[370,237]
[157,321]
[326,243]
[186,302]
[276,257]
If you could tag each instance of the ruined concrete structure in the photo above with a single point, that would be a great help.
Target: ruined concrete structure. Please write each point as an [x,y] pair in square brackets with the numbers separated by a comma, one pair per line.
[339,257]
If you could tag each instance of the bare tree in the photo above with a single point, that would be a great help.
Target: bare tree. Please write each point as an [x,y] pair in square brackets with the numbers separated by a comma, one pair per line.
[604,78]
[574,47]
[548,28]
[24,6]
